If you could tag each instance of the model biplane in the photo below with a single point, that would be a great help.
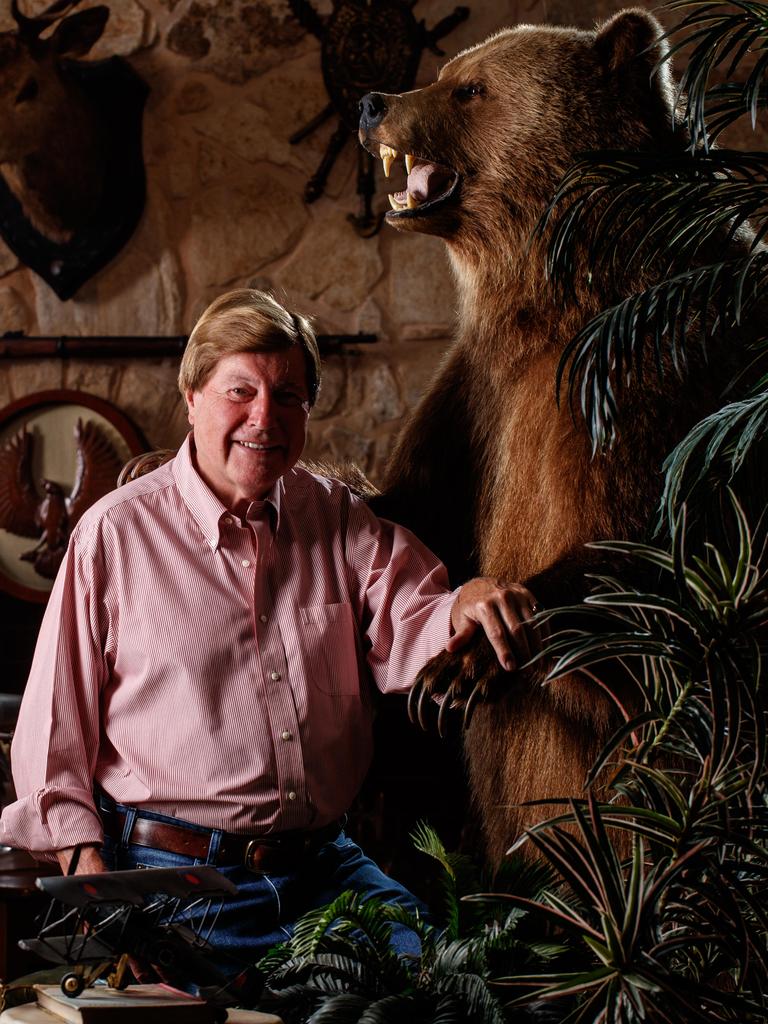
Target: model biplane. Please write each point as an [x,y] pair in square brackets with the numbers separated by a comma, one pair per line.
[157,916]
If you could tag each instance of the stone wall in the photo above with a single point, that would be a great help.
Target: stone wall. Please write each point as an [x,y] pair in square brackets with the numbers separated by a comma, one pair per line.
[230,81]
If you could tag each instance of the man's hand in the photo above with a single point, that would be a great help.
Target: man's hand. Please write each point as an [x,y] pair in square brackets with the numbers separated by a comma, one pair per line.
[90,862]
[502,609]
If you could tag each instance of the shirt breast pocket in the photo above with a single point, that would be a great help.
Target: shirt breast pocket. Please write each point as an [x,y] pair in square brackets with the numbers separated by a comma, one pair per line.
[330,650]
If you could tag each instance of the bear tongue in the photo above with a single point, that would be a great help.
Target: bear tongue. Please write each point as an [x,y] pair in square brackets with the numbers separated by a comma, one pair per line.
[427,180]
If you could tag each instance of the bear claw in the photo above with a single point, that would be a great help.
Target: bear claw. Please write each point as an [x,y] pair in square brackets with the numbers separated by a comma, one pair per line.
[464,679]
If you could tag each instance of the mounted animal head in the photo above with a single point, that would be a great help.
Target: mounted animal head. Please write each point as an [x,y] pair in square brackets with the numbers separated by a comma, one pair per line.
[51,154]
[488,142]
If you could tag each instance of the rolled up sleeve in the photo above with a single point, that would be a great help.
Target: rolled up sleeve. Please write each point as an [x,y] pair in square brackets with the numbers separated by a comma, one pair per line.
[56,741]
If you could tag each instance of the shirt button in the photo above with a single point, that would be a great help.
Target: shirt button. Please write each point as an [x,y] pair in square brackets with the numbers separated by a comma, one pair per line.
[245,563]
[262,617]
[228,520]
[287,735]
[291,795]
[275,676]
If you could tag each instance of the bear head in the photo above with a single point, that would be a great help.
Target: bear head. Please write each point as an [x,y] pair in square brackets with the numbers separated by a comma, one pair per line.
[487,143]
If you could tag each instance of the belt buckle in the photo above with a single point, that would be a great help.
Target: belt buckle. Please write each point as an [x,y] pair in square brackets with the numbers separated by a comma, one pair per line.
[253,855]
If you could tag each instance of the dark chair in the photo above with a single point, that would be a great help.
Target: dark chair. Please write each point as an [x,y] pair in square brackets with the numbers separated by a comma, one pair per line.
[144,463]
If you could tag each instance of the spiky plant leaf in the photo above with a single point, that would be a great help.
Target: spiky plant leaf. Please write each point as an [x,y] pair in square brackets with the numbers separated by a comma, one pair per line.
[728,102]
[292,1003]
[397,1009]
[472,993]
[448,1010]
[351,912]
[274,958]
[715,450]
[649,209]
[426,840]
[653,325]
[345,1008]
[721,34]
[638,966]
[327,972]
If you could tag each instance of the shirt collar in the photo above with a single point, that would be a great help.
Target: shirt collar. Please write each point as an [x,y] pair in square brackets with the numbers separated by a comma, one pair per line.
[206,509]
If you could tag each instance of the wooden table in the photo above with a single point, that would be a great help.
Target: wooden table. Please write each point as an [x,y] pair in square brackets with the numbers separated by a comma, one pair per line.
[31,1013]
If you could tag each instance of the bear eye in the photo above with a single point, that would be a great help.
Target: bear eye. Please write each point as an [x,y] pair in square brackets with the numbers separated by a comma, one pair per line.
[466,92]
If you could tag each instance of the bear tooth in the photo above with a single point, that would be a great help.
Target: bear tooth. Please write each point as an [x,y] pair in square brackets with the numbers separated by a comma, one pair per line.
[393,202]
[408,163]
[387,155]
[412,201]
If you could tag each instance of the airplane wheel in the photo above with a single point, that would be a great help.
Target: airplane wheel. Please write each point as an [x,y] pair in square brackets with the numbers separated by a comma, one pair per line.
[163,955]
[72,985]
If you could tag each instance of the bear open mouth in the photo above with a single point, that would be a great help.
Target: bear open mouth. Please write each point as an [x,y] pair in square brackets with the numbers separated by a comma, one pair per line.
[429,184]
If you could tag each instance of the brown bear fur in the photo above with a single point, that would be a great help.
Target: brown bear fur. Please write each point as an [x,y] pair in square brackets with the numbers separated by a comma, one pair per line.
[488,470]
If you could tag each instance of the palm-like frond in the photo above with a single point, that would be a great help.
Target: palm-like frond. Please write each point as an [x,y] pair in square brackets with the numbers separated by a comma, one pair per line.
[614,208]
[719,32]
[606,352]
[471,993]
[427,841]
[332,972]
[344,1008]
[621,213]
[348,942]
[342,950]
[702,641]
[628,215]
[294,1004]
[729,102]
[274,959]
[716,450]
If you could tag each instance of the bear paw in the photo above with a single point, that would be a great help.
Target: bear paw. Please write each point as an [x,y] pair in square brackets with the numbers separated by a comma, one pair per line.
[462,678]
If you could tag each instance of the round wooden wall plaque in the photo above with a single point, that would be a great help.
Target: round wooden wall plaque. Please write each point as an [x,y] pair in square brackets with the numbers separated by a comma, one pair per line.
[59,452]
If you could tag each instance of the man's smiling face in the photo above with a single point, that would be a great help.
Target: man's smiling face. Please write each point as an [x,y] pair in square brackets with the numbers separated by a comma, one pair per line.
[250,423]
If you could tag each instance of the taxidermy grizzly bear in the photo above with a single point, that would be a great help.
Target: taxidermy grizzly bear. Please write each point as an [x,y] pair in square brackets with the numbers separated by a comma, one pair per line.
[489,471]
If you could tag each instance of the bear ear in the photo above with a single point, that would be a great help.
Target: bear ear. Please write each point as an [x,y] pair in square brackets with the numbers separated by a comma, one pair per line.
[632,44]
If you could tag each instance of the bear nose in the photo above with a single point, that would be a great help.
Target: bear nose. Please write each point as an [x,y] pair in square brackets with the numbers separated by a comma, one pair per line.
[372,110]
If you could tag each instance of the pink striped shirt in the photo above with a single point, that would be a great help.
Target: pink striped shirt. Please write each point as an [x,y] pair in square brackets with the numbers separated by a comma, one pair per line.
[215,670]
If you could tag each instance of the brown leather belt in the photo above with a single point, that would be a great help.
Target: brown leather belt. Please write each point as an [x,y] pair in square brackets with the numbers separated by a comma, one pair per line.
[284,851]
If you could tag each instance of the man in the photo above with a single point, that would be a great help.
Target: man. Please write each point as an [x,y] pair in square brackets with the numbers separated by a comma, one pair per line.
[206,656]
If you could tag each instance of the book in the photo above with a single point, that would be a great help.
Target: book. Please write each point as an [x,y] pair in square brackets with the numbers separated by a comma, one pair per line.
[147,1004]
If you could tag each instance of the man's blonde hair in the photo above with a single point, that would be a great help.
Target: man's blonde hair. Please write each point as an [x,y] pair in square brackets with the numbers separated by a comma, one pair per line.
[246,320]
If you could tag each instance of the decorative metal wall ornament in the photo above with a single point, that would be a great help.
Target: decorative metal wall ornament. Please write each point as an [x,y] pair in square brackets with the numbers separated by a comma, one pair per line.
[59,452]
[73,183]
[366,46]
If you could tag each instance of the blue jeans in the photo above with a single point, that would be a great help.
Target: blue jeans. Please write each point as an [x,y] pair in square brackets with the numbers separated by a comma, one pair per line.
[267,906]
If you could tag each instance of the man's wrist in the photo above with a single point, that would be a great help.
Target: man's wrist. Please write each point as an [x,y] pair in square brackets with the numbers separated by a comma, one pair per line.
[90,861]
